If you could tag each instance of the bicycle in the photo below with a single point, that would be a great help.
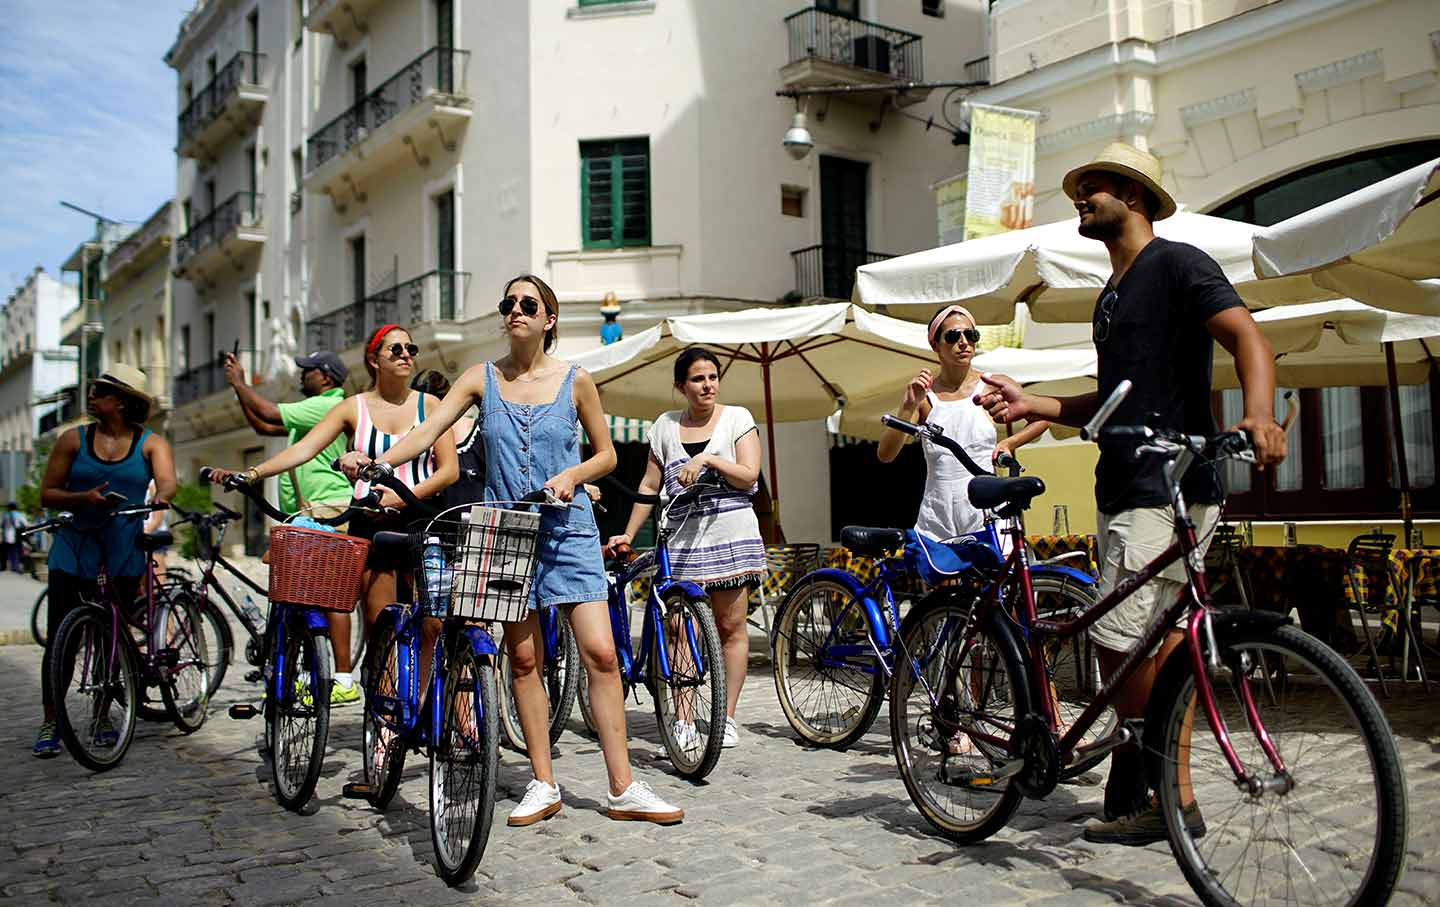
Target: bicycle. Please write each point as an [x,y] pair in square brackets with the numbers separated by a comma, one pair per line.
[560,672]
[474,565]
[1254,726]
[834,638]
[95,647]
[325,576]
[682,667]
[39,612]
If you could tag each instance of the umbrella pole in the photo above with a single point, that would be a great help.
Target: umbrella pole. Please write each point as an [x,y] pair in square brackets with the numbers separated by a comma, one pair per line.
[770,432]
[1399,440]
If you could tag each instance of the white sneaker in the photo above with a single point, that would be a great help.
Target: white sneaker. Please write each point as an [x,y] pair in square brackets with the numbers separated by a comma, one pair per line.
[541,801]
[686,737]
[731,737]
[641,804]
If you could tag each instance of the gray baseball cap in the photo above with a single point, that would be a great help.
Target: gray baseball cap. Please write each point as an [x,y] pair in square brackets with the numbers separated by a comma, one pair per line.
[325,361]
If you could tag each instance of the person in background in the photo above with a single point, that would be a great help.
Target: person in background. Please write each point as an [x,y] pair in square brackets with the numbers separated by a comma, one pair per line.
[13,522]
[156,522]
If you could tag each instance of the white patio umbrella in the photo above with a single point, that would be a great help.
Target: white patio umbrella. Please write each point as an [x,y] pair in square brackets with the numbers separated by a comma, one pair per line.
[1055,270]
[1371,245]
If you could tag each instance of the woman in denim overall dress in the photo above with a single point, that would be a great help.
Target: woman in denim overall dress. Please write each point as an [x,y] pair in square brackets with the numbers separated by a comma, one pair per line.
[529,405]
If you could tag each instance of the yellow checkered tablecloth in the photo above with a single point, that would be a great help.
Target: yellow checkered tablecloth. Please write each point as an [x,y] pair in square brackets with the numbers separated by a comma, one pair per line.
[1048,546]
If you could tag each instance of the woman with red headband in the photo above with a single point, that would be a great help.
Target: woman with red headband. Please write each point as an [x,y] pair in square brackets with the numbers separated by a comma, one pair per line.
[374,421]
[945,400]
[529,403]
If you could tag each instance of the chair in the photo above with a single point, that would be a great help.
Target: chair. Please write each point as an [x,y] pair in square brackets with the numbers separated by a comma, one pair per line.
[784,564]
[1368,576]
[1222,565]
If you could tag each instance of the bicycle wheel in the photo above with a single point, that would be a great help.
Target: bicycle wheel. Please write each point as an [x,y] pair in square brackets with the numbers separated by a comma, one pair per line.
[182,660]
[95,693]
[1071,664]
[561,676]
[220,641]
[1330,830]
[383,751]
[829,699]
[300,716]
[956,696]
[582,699]
[40,616]
[463,765]
[690,704]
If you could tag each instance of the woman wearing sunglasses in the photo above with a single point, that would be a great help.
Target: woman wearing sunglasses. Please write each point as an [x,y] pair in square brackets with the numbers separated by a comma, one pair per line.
[946,400]
[529,403]
[375,421]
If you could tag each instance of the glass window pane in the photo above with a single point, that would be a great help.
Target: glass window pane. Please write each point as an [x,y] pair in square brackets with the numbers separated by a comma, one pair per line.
[1419,436]
[1235,474]
[1290,475]
[1341,436]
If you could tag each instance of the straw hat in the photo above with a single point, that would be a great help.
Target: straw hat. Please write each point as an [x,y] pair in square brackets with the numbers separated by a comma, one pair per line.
[1129,161]
[130,381]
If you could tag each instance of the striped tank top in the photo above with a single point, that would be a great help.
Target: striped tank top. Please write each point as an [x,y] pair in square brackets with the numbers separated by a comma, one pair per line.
[373,442]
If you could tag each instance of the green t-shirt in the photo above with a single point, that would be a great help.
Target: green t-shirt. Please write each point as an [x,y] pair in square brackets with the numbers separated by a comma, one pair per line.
[318,482]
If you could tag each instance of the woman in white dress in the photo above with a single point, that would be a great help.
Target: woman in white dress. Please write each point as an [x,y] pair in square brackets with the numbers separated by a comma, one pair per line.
[947,400]
[718,545]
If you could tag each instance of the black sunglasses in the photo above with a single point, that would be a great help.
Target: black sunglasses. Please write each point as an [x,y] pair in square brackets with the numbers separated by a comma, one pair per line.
[399,349]
[971,335]
[528,305]
[1103,312]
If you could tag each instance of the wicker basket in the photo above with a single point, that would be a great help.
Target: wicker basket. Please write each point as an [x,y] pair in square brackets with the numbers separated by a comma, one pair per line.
[316,569]
[487,564]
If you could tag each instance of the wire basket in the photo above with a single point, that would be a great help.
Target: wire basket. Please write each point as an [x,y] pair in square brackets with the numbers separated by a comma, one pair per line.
[477,564]
[316,569]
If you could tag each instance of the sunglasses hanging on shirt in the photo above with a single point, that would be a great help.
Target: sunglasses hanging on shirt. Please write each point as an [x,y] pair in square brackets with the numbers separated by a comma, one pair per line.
[528,305]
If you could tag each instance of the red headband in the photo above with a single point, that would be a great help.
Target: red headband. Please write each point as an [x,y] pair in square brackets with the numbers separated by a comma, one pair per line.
[378,336]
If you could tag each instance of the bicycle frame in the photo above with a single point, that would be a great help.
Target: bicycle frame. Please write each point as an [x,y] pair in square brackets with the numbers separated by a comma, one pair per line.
[632,667]
[413,724]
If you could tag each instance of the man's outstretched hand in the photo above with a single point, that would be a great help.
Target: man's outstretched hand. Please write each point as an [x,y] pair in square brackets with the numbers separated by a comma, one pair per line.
[1002,397]
[234,371]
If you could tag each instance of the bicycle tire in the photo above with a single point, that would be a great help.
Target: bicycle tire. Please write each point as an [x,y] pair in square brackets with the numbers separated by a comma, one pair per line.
[463,765]
[1316,676]
[299,730]
[185,687]
[383,751]
[928,721]
[85,634]
[695,757]
[851,696]
[561,678]
[582,700]
[1071,664]
[39,617]
[221,641]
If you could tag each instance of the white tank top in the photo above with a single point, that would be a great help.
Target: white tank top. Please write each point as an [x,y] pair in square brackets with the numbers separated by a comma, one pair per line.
[945,510]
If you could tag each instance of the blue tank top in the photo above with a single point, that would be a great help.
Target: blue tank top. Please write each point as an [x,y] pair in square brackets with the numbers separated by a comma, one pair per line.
[527,444]
[78,552]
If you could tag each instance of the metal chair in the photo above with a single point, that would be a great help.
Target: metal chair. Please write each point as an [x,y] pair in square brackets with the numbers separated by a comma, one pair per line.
[1222,563]
[784,564]
[1369,555]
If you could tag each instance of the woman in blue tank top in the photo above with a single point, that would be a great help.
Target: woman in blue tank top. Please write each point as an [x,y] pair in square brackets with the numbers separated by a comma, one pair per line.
[114,455]
[529,405]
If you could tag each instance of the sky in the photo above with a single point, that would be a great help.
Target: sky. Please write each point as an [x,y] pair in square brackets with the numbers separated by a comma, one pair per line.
[87,114]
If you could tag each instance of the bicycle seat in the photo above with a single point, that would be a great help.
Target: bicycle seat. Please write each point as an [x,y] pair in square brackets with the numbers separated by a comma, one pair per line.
[870,541]
[154,541]
[389,549]
[990,492]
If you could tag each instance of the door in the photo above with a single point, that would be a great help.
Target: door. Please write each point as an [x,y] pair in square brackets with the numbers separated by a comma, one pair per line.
[252,42]
[445,253]
[844,229]
[444,41]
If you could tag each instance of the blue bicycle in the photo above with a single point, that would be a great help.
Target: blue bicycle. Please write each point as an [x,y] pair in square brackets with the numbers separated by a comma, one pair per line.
[835,638]
[560,673]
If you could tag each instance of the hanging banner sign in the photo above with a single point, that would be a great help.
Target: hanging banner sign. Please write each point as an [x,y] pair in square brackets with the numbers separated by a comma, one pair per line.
[1001,192]
[950,208]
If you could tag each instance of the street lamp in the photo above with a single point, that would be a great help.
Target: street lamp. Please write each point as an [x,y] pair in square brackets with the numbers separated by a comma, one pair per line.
[797,139]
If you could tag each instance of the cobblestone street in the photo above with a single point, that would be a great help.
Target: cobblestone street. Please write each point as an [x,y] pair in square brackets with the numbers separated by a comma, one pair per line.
[191,820]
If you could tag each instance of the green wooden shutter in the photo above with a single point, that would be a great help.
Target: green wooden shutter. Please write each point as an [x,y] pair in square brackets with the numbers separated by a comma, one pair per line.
[615,193]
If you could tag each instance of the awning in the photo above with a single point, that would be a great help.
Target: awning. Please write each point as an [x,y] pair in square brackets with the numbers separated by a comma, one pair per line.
[623,430]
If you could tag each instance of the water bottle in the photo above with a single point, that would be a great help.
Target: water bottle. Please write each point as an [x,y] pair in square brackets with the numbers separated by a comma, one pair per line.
[436,574]
[253,617]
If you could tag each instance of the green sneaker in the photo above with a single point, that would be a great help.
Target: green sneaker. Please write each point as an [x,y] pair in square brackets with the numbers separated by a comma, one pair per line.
[1144,827]
[342,695]
[47,742]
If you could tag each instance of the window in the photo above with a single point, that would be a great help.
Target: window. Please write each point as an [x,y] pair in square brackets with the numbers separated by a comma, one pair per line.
[843,7]
[792,201]
[357,267]
[934,8]
[297,20]
[182,354]
[445,252]
[184,217]
[359,75]
[1417,419]
[615,193]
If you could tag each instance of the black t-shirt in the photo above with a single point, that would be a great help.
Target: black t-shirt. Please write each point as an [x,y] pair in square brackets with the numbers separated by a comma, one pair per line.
[1157,338]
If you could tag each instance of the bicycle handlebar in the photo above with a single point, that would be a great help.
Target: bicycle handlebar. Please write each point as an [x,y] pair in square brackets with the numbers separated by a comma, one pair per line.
[936,434]
[630,494]
[235,483]
[67,518]
[378,473]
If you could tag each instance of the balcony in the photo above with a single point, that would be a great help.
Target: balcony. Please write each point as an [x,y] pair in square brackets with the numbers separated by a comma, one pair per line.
[418,302]
[341,19]
[203,380]
[81,321]
[141,249]
[828,270]
[68,410]
[829,48]
[424,103]
[225,237]
[978,70]
[229,106]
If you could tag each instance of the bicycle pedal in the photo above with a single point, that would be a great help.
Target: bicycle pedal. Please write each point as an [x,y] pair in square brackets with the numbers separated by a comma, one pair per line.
[253,676]
[243,711]
[356,790]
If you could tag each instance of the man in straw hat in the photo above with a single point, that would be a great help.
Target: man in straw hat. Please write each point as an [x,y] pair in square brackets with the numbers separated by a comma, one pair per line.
[1155,323]
[92,469]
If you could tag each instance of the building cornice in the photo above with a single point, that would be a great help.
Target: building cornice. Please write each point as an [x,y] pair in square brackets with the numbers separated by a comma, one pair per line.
[194,28]
[1218,108]
[1340,72]
[1115,126]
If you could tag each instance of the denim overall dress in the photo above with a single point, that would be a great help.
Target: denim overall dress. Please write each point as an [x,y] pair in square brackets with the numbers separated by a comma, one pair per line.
[526,445]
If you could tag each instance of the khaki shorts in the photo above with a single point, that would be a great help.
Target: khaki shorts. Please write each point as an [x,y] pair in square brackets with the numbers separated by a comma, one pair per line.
[327,509]
[1128,541]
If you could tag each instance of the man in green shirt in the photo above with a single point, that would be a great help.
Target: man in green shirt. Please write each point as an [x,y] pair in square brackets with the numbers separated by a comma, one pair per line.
[322,490]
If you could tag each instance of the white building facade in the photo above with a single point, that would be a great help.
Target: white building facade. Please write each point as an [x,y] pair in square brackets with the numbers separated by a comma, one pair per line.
[34,368]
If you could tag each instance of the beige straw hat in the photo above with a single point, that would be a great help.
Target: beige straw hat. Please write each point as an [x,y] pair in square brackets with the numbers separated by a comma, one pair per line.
[128,380]
[1127,160]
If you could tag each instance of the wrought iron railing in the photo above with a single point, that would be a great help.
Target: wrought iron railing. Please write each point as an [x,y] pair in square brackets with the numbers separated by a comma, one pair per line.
[433,296]
[68,409]
[203,380]
[297,201]
[154,229]
[978,70]
[440,70]
[827,35]
[243,68]
[243,209]
[829,269]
